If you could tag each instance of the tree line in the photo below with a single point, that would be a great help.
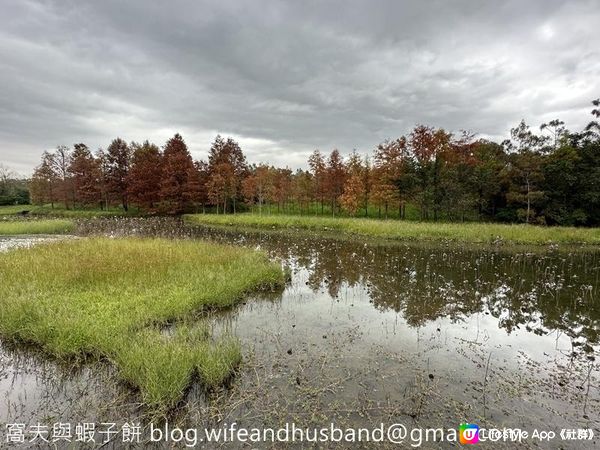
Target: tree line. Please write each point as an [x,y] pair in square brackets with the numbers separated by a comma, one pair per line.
[546,176]
[13,189]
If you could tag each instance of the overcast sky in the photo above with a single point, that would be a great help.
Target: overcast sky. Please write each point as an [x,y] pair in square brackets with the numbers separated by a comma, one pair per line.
[285,78]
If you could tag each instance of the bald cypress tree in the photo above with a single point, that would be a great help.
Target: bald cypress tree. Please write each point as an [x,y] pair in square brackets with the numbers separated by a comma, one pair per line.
[118,161]
[175,181]
[85,174]
[336,178]
[145,176]
[227,168]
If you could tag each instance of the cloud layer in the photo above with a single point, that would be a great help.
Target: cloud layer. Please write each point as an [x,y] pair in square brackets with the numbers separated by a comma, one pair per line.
[287,77]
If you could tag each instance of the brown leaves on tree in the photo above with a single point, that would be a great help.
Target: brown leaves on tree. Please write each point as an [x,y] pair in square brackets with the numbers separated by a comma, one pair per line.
[530,177]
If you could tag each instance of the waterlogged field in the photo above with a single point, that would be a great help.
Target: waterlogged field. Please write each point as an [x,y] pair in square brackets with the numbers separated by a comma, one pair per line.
[406,230]
[419,333]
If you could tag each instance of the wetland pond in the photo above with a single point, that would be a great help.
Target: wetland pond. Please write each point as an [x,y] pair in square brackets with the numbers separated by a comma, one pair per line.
[428,335]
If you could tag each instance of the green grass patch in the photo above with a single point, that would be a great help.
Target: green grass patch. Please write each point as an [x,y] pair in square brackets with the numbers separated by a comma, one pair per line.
[316,209]
[61,211]
[9,210]
[107,298]
[406,230]
[14,227]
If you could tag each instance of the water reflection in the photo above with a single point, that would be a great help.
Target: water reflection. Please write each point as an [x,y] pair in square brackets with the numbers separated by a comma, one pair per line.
[546,291]
[365,332]
[537,289]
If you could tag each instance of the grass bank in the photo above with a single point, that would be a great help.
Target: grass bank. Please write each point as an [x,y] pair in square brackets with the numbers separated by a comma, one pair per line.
[107,298]
[14,227]
[407,230]
[61,211]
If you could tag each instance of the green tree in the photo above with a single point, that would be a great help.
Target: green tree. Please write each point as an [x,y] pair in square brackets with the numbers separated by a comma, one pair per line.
[318,169]
[526,176]
[561,183]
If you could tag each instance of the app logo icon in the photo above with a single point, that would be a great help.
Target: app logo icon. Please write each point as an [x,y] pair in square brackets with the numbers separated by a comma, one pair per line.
[468,433]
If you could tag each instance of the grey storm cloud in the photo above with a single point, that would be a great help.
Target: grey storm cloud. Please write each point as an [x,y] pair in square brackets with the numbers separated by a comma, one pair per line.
[285,78]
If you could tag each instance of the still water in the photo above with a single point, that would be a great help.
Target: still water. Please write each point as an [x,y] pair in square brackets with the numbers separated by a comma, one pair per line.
[428,335]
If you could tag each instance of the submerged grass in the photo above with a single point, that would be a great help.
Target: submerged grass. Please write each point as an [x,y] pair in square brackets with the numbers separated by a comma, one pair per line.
[14,227]
[398,230]
[108,298]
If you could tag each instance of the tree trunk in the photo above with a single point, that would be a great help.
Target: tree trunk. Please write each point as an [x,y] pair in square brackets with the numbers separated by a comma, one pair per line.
[435,188]
[528,201]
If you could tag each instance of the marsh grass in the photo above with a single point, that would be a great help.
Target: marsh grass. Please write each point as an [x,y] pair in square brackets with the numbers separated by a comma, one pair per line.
[15,227]
[407,230]
[61,211]
[108,298]
[9,210]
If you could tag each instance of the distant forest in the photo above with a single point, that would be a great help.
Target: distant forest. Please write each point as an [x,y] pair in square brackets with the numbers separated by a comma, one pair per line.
[547,176]
[13,189]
